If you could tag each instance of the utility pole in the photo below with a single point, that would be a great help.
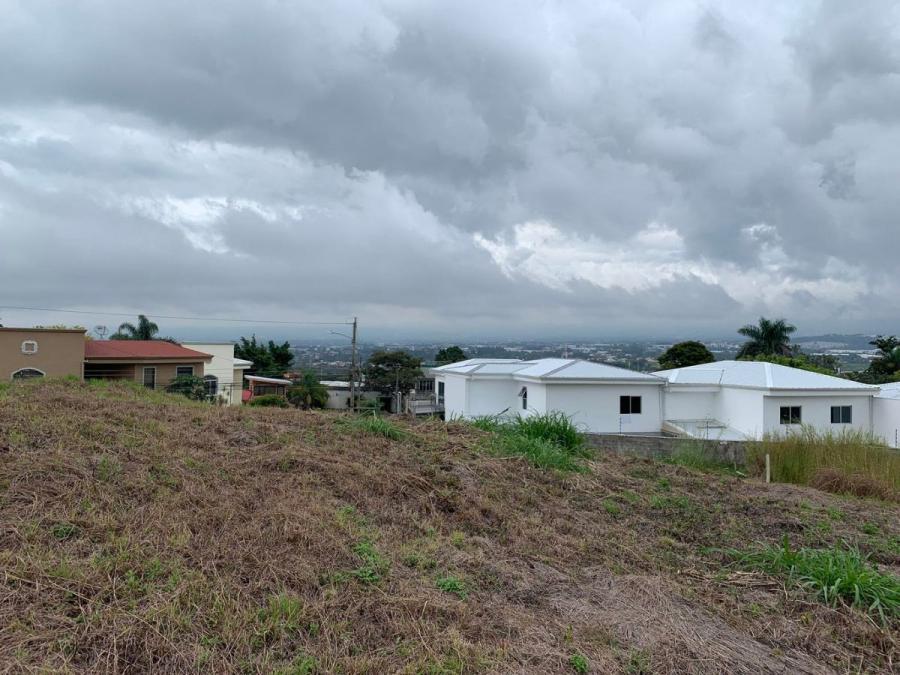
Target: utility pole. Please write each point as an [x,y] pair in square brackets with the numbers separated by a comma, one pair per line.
[353,367]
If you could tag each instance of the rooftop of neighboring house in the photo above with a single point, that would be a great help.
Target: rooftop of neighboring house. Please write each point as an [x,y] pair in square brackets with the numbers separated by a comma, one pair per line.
[890,390]
[759,375]
[266,380]
[546,370]
[140,350]
[16,329]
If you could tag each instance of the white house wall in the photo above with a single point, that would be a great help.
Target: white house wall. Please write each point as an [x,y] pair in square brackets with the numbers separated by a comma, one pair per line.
[741,409]
[690,405]
[886,414]
[222,366]
[537,399]
[493,397]
[595,407]
[455,394]
[816,412]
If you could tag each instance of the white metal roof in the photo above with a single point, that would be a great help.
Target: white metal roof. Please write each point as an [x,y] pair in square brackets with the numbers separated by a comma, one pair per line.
[266,380]
[759,375]
[241,363]
[890,390]
[552,370]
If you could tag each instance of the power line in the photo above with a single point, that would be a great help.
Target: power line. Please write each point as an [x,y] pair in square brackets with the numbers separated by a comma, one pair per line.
[183,318]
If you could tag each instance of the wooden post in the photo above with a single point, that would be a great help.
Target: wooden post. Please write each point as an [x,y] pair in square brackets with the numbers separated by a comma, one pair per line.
[768,468]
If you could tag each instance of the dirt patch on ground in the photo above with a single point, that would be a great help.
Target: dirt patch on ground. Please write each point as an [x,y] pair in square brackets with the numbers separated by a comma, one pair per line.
[139,532]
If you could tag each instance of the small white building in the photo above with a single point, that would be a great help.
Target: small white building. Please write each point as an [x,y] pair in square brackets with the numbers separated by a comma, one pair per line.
[339,394]
[887,414]
[224,375]
[596,397]
[742,400]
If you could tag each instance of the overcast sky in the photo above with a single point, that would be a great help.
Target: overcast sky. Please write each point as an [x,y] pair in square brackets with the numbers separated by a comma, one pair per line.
[446,169]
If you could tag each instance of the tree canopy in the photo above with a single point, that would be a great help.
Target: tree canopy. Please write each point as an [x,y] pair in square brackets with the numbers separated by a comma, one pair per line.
[308,392]
[269,359]
[886,366]
[684,354]
[767,337]
[144,330]
[450,355]
[386,371]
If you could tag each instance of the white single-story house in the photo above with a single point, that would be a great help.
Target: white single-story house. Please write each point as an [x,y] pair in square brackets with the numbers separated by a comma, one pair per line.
[742,400]
[597,397]
[887,414]
[224,375]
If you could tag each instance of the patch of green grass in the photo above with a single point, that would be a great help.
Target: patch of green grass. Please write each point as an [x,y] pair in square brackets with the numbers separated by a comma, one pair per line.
[454,585]
[548,441]
[796,457]
[304,664]
[108,469]
[630,496]
[457,538]
[664,484]
[63,531]
[579,663]
[282,615]
[374,565]
[378,426]
[871,529]
[837,575]
[638,663]
[611,507]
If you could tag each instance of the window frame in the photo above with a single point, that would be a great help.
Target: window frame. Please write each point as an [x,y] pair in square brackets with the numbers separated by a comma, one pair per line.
[523,394]
[29,343]
[844,414]
[12,375]
[211,390]
[190,374]
[627,405]
[144,377]
[790,416]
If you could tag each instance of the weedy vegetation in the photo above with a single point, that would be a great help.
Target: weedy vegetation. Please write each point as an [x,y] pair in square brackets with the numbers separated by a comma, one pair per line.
[144,532]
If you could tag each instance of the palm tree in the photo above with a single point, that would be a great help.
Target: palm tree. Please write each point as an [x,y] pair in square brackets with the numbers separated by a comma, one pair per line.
[308,392]
[145,330]
[768,337]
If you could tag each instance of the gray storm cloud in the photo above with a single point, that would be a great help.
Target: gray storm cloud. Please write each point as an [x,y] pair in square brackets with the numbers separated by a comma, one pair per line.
[602,167]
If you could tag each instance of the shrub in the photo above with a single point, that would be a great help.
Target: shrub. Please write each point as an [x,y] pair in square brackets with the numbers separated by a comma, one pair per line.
[269,401]
[191,386]
[697,455]
[833,575]
[859,485]
[548,441]
[579,663]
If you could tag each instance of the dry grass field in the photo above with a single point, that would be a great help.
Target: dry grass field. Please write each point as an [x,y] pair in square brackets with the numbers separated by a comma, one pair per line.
[140,532]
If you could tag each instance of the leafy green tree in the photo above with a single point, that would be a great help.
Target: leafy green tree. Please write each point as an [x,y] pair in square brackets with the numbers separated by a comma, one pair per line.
[450,355]
[767,337]
[684,354]
[269,359]
[886,366]
[388,371]
[144,330]
[308,392]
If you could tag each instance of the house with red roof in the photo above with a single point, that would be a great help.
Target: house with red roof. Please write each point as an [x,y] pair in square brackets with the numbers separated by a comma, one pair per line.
[153,363]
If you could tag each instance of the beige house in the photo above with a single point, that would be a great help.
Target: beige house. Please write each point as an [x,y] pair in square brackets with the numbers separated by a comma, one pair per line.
[41,352]
[153,363]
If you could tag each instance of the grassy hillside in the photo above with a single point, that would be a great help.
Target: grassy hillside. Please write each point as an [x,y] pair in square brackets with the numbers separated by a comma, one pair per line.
[142,532]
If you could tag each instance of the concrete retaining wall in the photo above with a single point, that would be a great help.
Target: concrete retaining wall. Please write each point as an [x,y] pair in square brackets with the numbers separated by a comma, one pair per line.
[661,447]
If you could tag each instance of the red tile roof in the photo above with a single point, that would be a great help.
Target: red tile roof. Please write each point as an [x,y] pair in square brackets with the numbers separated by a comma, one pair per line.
[140,349]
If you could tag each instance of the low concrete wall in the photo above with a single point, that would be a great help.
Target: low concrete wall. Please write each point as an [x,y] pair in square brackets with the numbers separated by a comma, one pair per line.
[661,447]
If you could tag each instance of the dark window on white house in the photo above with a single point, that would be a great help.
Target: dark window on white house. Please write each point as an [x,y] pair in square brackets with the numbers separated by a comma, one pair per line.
[790,414]
[440,392]
[211,385]
[184,371]
[524,395]
[842,414]
[629,405]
